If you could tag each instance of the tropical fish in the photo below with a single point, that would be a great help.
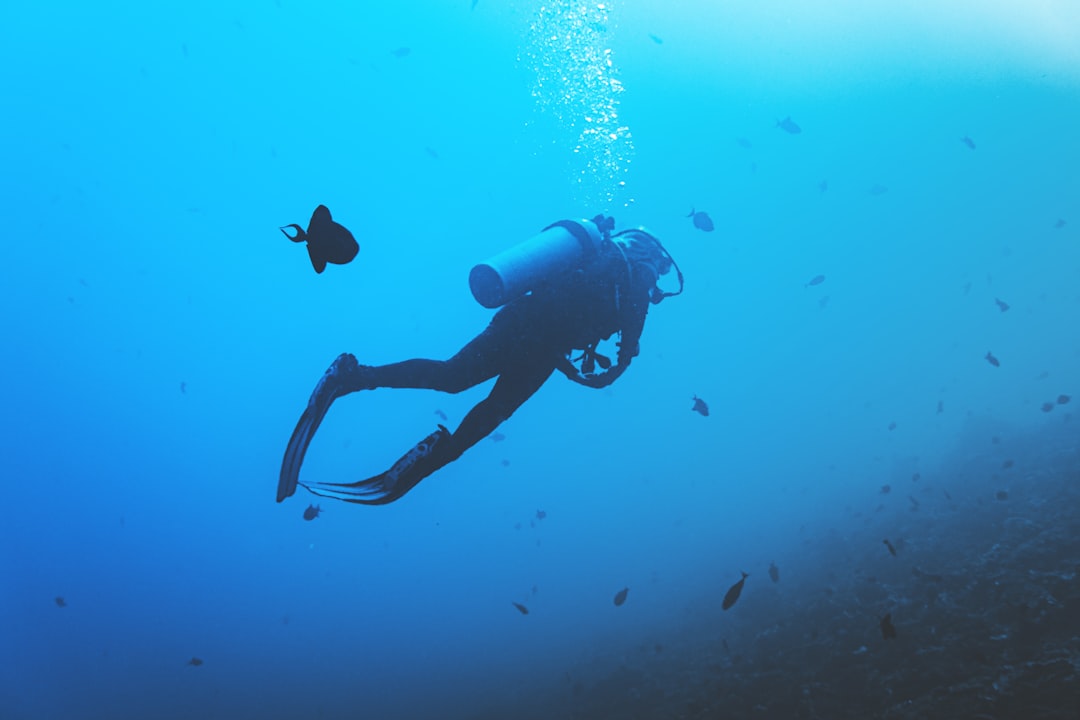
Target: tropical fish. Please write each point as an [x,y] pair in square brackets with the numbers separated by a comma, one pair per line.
[1006,464]
[700,407]
[473,6]
[60,601]
[1063,399]
[441,414]
[888,631]
[916,477]
[816,280]
[620,597]
[1002,305]
[195,662]
[892,550]
[892,425]
[312,512]
[940,406]
[913,501]
[886,489]
[541,514]
[702,221]
[733,593]
[656,39]
[968,141]
[789,126]
[1059,224]
[183,388]
[1047,406]
[774,572]
[1002,495]
[992,360]
[497,436]
[327,241]
[520,608]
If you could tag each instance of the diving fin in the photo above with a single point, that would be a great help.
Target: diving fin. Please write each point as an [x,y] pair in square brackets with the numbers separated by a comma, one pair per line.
[329,388]
[403,475]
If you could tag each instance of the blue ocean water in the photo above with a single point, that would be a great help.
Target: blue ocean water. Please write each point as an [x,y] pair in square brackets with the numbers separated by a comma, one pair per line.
[161,338]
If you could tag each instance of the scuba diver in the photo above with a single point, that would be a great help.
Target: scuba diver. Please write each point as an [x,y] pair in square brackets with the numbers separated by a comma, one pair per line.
[559,294]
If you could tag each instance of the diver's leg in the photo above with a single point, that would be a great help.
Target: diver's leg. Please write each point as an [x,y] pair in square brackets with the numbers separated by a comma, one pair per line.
[441,447]
[479,360]
[511,390]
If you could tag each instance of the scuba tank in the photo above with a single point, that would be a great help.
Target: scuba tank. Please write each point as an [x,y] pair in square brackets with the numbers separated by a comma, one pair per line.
[559,248]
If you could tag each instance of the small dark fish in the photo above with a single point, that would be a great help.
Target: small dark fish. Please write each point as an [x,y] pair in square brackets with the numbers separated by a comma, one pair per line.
[789,126]
[195,662]
[620,597]
[400,52]
[892,550]
[995,440]
[774,572]
[823,185]
[312,512]
[992,360]
[473,6]
[733,593]
[816,280]
[1059,224]
[700,407]
[1063,399]
[1002,305]
[1007,464]
[892,425]
[541,514]
[878,189]
[913,501]
[327,241]
[431,152]
[183,388]
[888,631]
[886,489]
[968,141]
[497,436]
[60,601]
[743,142]
[702,221]
[723,642]
[940,406]
[656,39]
[916,477]
[1001,495]
[1047,406]
[946,493]
[441,414]
[520,608]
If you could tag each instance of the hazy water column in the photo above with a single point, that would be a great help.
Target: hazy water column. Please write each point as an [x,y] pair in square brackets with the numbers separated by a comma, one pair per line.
[576,81]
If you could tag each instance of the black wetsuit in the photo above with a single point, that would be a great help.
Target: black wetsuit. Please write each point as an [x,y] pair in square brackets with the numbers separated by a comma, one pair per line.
[527,340]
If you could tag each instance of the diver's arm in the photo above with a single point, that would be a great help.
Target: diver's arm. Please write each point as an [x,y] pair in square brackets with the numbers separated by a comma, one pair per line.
[633,322]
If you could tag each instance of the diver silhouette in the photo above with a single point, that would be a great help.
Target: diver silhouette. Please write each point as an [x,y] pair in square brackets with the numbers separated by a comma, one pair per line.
[560,294]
